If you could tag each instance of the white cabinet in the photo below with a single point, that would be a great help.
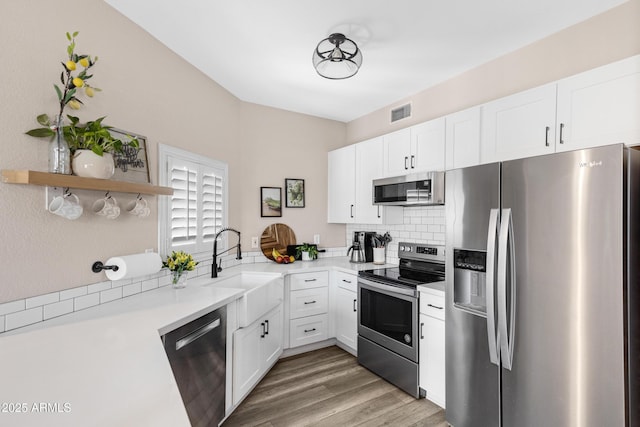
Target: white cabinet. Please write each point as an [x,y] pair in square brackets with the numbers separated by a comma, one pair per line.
[345,312]
[432,346]
[341,185]
[352,170]
[418,148]
[463,138]
[521,125]
[600,106]
[308,307]
[256,349]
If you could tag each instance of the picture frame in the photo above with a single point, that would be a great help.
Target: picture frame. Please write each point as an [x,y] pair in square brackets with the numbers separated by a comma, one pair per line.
[294,192]
[133,164]
[270,201]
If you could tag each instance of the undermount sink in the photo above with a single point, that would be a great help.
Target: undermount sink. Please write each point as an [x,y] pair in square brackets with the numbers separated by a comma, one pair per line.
[263,291]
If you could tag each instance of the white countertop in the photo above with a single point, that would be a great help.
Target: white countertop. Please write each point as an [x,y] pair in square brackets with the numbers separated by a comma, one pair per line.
[106,365]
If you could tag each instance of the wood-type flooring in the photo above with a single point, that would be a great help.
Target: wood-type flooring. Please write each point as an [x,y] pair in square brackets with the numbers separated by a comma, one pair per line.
[327,387]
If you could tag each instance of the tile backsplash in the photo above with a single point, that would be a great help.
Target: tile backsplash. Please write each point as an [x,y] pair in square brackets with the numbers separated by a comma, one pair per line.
[424,224]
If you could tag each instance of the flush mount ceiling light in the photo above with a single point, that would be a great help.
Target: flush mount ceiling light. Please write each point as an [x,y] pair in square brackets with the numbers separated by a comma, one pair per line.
[337,57]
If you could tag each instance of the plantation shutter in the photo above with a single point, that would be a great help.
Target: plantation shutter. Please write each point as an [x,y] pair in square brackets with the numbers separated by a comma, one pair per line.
[196,210]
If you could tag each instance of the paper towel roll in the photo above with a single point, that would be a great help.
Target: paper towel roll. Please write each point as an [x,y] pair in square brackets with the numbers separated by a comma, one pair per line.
[134,265]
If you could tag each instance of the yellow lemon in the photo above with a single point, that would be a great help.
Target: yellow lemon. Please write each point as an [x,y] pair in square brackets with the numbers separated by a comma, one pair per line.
[84,62]
[74,104]
[78,82]
[89,91]
[70,65]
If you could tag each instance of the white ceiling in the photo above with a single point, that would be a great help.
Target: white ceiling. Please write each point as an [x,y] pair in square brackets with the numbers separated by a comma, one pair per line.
[260,50]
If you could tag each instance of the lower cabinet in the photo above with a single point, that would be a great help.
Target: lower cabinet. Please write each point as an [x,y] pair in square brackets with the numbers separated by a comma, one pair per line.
[345,312]
[432,343]
[308,304]
[255,349]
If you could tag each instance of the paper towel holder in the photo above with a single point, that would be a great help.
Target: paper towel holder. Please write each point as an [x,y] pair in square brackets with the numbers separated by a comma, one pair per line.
[98,266]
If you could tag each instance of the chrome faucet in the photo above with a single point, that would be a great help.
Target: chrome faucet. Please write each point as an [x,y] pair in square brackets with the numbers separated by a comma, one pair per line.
[215,268]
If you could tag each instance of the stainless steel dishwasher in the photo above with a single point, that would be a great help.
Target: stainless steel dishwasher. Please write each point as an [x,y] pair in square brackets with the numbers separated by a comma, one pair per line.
[197,354]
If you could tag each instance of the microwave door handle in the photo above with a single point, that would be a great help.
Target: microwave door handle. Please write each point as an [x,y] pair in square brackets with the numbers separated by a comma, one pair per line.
[506,276]
[492,235]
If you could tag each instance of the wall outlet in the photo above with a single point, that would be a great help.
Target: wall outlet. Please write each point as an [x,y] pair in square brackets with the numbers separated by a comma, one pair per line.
[316,239]
[254,242]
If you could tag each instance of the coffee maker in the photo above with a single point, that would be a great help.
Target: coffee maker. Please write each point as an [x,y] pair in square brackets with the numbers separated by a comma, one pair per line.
[364,240]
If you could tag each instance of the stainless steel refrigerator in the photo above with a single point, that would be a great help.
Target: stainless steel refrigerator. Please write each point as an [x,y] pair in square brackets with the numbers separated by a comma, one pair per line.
[542,291]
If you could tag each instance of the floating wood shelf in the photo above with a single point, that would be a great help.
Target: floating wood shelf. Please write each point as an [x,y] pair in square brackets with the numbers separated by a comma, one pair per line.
[71,181]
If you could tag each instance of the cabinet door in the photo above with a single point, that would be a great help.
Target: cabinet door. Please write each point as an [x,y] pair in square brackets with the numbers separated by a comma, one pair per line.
[369,166]
[341,185]
[600,107]
[463,139]
[428,146]
[397,152]
[272,343]
[247,360]
[346,317]
[432,358]
[521,125]
[308,302]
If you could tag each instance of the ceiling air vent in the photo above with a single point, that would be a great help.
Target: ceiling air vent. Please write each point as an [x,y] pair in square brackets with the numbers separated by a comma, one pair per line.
[400,113]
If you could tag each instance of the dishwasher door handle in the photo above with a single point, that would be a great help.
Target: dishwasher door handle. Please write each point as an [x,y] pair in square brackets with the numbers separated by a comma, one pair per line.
[197,334]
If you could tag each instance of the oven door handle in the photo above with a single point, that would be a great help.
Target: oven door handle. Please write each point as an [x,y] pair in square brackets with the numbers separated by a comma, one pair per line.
[386,289]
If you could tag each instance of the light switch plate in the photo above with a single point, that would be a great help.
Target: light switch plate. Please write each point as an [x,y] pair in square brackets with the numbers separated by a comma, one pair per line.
[254,242]
[316,239]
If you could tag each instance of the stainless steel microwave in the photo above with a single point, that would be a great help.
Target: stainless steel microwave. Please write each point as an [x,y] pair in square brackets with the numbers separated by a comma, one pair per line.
[420,189]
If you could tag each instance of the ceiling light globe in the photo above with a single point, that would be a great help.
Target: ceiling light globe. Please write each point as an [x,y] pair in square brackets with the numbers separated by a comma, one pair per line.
[337,57]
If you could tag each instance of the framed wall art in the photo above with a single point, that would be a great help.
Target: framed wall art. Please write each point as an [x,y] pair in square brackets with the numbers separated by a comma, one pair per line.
[132,165]
[270,201]
[294,192]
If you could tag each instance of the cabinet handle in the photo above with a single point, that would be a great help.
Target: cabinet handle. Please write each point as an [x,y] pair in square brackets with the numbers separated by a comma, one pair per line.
[421,331]
[561,129]
[309,302]
[434,306]
[354,305]
[351,211]
[405,163]
[546,136]
[310,280]
[413,163]
[263,331]
[379,216]
[266,322]
[346,281]
[309,330]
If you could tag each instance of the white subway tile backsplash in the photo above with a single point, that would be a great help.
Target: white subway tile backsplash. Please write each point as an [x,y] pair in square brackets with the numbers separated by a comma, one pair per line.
[23,318]
[98,287]
[110,295]
[120,283]
[164,280]
[42,300]
[132,289]
[149,284]
[58,309]
[73,293]
[80,303]
[12,307]
[1,323]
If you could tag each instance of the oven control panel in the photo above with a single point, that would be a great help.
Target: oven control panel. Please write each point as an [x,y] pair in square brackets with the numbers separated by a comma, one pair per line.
[420,251]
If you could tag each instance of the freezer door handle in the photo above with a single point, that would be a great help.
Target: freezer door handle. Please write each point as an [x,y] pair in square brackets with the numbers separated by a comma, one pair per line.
[506,277]
[492,235]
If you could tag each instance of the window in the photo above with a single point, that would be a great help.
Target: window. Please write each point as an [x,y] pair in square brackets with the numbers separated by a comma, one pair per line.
[197,210]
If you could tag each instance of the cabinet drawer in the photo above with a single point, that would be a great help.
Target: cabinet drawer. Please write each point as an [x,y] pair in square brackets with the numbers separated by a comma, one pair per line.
[308,330]
[316,279]
[308,302]
[346,281]
[432,305]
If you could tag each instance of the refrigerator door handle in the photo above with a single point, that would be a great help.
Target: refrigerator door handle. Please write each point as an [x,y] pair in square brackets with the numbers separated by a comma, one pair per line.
[506,267]
[492,235]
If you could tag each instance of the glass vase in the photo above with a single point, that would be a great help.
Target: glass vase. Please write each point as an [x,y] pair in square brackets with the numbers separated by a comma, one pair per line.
[59,153]
[178,279]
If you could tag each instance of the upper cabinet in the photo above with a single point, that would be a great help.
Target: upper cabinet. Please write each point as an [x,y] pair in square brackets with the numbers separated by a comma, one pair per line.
[419,148]
[352,170]
[463,138]
[520,125]
[600,107]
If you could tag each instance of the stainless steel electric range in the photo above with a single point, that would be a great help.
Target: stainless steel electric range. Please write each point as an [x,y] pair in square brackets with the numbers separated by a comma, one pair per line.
[388,319]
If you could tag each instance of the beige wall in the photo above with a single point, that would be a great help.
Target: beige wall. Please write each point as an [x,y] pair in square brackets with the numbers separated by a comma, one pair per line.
[605,38]
[148,90]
